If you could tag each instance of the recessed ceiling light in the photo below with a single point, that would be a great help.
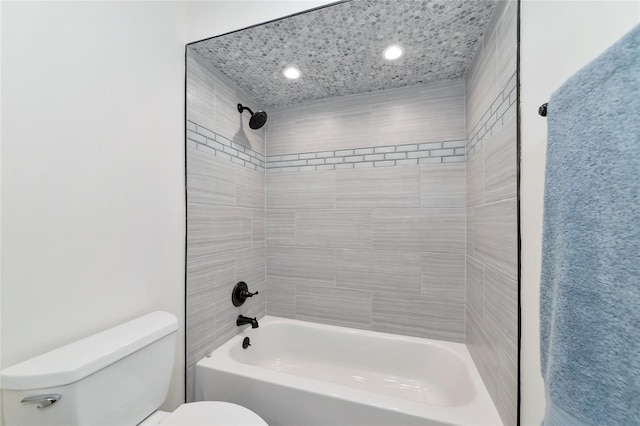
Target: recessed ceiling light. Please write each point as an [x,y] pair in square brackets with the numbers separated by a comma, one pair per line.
[393,52]
[291,73]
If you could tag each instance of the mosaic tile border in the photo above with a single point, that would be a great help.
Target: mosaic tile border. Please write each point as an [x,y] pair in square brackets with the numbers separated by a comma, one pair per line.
[204,139]
[380,156]
[501,105]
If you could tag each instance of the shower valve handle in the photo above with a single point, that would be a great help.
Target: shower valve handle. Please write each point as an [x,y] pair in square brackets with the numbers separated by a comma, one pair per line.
[240,293]
[246,293]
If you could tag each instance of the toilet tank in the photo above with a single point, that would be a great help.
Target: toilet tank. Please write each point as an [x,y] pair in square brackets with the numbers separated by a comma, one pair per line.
[116,377]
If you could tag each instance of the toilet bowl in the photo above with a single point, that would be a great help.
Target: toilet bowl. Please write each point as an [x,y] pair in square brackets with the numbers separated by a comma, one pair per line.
[120,376]
[209,413]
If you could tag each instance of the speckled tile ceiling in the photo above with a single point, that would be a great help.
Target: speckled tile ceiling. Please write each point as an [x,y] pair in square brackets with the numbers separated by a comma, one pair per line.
[339,48]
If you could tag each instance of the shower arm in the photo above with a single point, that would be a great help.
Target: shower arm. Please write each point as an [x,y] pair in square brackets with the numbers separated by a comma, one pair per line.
[242,108]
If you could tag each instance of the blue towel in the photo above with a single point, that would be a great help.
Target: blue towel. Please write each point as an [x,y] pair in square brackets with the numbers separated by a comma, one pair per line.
[590,282]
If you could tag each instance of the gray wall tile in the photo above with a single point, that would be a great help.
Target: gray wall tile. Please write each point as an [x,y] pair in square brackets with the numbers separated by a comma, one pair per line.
[301,190]
[200,91]
[419,229]
[379,270]
[200,340]
[423,316]
[281,297]
[337,306]
[306,265]
[378,187]
[433,112]
[258,229]
[506,388]
[443,185]
[250,188]
[496,237]
[475,179]
[507,40]
[470,231]
[500,160]
[281,227]
[443,275]
[482,349]
[482,85]
[250,268]
[333,228]
[491,216]
[210,180]
[501,310]
[208,278]
[213,229]
[475,287]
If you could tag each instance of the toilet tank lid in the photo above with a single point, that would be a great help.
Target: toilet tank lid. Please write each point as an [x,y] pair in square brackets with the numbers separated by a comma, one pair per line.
[78,360]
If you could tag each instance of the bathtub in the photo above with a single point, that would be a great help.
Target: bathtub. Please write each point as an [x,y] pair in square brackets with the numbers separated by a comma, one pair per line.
[297,373]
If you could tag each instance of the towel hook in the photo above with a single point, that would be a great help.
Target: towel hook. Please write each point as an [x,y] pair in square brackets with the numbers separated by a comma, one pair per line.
[543,109]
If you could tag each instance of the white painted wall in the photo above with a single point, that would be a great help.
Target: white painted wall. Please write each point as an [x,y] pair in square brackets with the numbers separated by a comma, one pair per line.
[210,18]
[557,39]
[92,171]
[92,164]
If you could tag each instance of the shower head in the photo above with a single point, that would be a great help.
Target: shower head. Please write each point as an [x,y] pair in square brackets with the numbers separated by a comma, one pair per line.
[257,119]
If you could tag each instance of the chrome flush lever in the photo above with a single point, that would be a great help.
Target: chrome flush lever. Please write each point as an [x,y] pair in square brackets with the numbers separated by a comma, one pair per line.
[44,401]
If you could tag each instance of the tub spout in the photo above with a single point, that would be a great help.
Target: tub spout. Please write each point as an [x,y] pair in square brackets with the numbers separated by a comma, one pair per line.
[242,320]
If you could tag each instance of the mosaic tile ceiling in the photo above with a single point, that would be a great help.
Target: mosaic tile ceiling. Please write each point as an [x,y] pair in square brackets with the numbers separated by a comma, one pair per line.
[339,48]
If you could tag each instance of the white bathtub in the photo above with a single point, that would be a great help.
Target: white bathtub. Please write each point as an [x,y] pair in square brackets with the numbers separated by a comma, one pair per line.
[297,373]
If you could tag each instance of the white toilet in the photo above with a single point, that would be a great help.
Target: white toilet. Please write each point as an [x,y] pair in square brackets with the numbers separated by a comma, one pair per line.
[115,378]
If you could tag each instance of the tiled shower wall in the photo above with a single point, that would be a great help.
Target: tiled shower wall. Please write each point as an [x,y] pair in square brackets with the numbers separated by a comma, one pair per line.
[491,261]
[225,211]
[365,211]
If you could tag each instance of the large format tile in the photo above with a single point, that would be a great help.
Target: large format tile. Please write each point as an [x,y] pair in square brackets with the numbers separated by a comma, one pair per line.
[209,278]
[481,82]
[337,306]
[443,185]
[281,297]
[496,236]
[281,135]
[228,120]
[507,42]
[210,180]
[475,287]
[431,112]
[378,187]
[258,229]
[470,230]
[333,228]
[251,138]
[500,163]
[475,178]
[419,229]
[250,188]
[443,275]
[212,229]
[482,349]
[423,316]
[200,338]
[507,389]
[331,124]
[379,270]
[200,91]
[501,310]
[306,265]
[281,227]
[302,190]
[250,268]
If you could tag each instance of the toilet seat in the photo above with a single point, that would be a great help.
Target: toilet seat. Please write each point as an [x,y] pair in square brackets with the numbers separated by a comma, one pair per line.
[212,413]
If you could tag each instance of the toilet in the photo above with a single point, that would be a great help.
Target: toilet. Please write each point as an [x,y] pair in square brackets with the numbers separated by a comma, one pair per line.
[119,377]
